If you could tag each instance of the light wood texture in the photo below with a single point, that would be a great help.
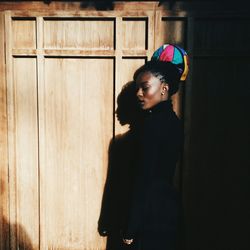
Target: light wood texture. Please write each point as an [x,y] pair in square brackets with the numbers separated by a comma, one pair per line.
[172,29]
[24,34]
[134,33]
[22,147]
[77,129]
[26,149]
[4,191]
[11,131]
[84,33]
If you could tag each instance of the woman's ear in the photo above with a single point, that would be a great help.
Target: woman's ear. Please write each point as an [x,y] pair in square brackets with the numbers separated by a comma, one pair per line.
[165,89]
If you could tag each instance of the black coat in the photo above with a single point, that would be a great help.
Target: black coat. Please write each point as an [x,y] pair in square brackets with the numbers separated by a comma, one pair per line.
[153,216]
[146,202]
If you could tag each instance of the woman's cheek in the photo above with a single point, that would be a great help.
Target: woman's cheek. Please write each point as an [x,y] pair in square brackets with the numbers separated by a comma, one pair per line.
[150,93]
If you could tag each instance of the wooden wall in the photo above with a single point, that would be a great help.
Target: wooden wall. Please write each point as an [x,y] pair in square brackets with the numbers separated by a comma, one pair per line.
[61,67]
[64,70]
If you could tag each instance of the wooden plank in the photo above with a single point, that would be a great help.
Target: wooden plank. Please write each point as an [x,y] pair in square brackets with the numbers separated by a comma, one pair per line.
[24,33]
[4,189]
[151,34]
[134,33]
[79,14]
[24,52]
[134,52]
[79,52]
[62,52]
[77,121]
[118,72]
[26,148]
[11,132]
[40,103]
[172,30]
[78,33]
[22,138]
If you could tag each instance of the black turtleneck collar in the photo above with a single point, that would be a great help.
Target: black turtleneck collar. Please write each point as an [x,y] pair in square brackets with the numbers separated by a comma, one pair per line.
[160,107]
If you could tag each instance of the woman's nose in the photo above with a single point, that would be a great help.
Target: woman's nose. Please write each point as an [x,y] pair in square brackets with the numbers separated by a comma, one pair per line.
[139,92]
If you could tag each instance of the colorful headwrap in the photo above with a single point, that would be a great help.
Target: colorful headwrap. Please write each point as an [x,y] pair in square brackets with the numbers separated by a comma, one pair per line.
[174,54]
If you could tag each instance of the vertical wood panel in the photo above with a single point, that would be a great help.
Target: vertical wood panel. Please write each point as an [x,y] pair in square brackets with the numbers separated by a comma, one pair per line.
[172,30]
[11,131]
[78,118]
[24,33]
[75,33]
[26,150]
[135,33]
[40,81]
[4,202]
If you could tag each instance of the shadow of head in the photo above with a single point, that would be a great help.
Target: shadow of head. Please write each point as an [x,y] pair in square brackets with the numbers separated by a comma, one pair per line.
[127,105]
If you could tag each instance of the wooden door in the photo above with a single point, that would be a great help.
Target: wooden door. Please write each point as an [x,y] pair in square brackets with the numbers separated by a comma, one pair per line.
[64,72]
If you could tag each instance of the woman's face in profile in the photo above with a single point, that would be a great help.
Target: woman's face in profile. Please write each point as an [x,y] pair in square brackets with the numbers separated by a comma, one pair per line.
[149,90]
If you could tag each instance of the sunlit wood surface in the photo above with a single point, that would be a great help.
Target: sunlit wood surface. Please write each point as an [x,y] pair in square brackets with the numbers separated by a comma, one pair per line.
[64,70]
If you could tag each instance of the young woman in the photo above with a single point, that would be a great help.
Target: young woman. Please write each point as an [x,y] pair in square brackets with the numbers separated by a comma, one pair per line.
[154,210]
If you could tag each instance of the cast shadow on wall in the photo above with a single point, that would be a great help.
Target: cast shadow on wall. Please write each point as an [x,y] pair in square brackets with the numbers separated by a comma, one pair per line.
[9,230]
[117,191]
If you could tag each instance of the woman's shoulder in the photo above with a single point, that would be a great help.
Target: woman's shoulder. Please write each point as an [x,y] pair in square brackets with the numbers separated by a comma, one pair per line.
[170,118]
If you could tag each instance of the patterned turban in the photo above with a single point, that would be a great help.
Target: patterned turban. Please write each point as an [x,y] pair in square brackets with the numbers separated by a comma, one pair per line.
[174,54]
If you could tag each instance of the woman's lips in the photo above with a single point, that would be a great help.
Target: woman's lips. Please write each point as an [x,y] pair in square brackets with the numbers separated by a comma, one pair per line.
[141,103]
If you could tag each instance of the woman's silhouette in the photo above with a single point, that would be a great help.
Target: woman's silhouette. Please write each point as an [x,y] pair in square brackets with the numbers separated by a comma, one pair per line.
[122,151]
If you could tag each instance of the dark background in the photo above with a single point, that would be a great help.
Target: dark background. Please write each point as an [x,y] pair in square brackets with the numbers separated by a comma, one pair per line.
[216,166]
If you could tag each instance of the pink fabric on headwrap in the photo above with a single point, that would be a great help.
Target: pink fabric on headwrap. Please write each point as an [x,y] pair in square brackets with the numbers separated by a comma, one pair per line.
[167,54]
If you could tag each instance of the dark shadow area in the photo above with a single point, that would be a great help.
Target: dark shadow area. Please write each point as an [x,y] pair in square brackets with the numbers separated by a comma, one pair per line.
[98,5]
[23,241]
[8,231]
[216,171]
[122,150]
